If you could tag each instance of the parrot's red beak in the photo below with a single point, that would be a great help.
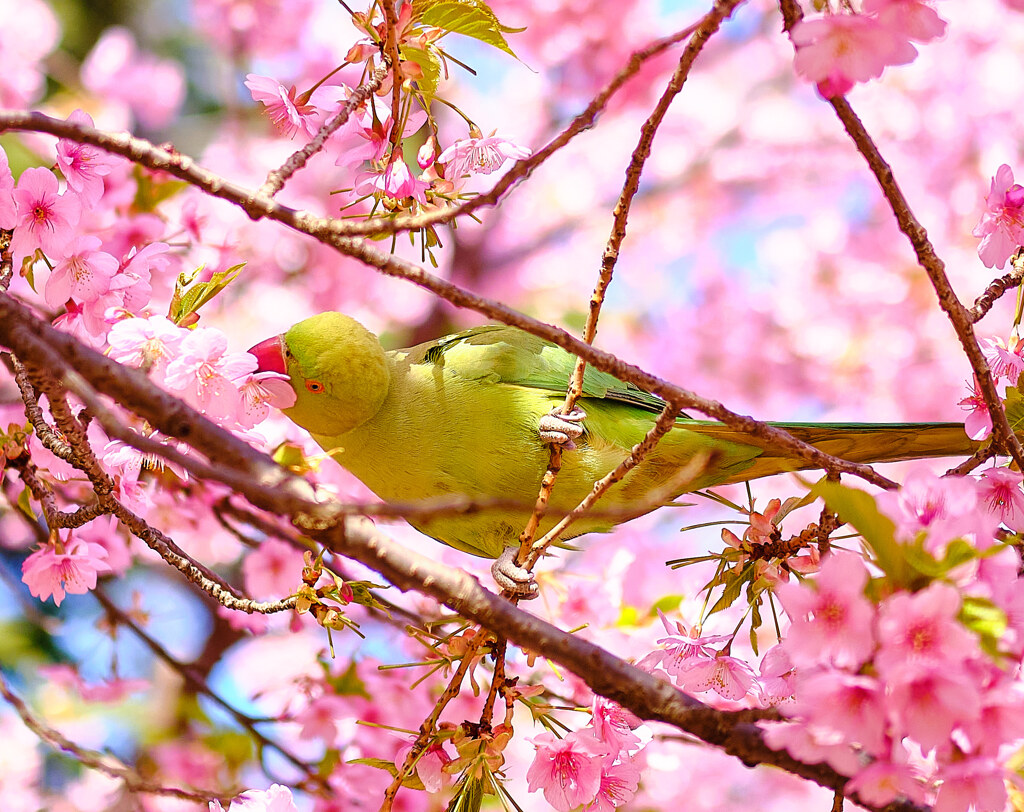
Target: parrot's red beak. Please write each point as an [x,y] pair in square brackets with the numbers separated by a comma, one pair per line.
[270,355]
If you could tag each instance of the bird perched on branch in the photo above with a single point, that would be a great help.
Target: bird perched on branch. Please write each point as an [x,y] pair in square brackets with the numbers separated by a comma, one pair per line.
[470,414]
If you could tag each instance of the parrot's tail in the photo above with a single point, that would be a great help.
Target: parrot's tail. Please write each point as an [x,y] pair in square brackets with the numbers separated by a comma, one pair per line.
[856,442]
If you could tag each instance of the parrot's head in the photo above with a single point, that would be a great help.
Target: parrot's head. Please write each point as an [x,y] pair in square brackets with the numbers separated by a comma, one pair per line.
[337,368]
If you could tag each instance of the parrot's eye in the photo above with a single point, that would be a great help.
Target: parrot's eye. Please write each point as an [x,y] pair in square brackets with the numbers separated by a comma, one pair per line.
[314,386]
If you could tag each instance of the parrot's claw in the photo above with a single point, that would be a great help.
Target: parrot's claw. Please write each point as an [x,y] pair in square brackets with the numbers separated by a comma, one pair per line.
[511,577]
[562,429]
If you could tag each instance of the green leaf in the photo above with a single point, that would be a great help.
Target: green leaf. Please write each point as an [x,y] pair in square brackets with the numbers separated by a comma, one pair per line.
[152,190]
[469,795]
[28,268]
[958,552]
[733,588]
[347,684]
[379,763]
[755,622]
[859,509]
[986,620]
[472,18]
[628,616]
[1015,405]
[666,603]
[430,65]
[25,504]
[188,297]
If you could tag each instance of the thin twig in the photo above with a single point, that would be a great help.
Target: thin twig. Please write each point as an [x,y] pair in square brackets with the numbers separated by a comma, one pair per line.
[93,759]
[279,177]
[958,315]
[429,724]
[197,683]
[662,426]
[707,26]
[997,288]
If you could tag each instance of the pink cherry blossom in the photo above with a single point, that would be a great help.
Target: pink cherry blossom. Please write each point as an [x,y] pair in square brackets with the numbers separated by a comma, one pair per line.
[273,570]
[152,89]
[884,781]
[22,47]
[851,706]
[73,571]
[975,783]
[928,700]
[727,676]
[619,782]
[922,627]
[104,532]
[394,181]
[1001,227]
[365,137]
[615,725]
[289,113]
[942,507]
[978,424]
[831,620]
[84,273]
[260,391]
[568,769]
[46,218]
[248,28]
[777,676]
[846,48]
[811,745]
[479,156]
[276,799]
[319,719]
[913,19]
[999,491]
[149,343]
[429,766]
[83,165]
[113,690]
[682,647]
[1005,360]
[203,373]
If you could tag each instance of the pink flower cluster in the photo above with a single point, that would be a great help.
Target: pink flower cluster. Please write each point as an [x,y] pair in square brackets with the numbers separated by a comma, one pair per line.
[691,661]
[835,51]
[1001,228]
[593,767]
[901,695]
[1006,362]
[363,143]
[196,365]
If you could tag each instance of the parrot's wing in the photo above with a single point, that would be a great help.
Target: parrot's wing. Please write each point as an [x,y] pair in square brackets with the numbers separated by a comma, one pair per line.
[501,354]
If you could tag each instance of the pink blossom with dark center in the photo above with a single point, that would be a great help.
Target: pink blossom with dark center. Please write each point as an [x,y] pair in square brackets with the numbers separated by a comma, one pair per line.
[83,165]
[831,618]
[46,219]
[568,770]
[73,571]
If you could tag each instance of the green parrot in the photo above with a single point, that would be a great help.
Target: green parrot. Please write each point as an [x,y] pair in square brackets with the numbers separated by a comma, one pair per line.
[471,413]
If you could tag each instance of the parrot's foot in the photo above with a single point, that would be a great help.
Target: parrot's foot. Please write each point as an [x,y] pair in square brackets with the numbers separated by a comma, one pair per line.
[562,429]
[511,577]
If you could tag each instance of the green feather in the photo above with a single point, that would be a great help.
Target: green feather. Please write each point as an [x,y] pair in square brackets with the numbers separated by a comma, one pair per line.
[459,416]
